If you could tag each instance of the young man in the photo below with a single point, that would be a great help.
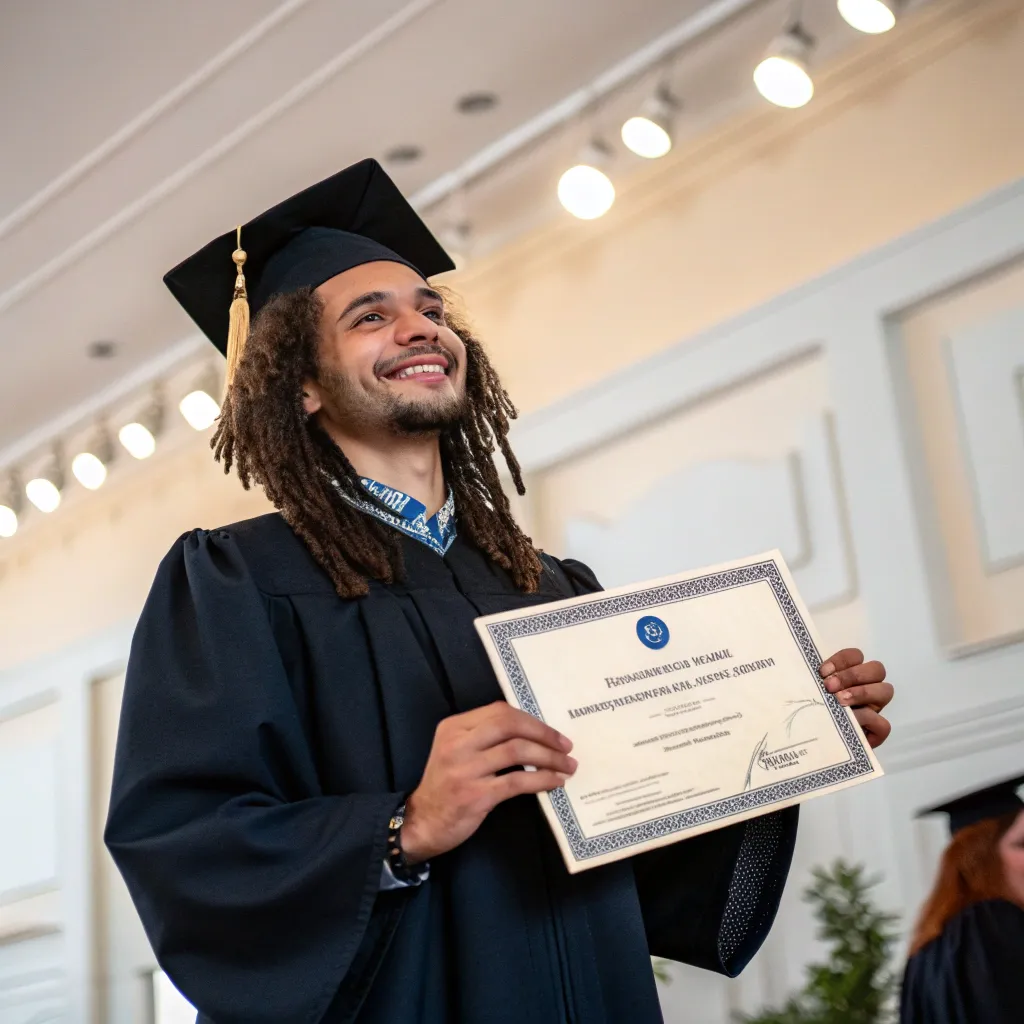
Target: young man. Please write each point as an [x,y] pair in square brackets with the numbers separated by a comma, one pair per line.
[315,801]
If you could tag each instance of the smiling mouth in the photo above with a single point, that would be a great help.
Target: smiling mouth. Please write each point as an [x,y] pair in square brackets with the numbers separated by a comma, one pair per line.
[429,369]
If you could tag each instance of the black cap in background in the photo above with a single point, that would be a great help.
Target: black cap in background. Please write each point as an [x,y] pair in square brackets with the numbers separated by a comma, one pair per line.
[991,802]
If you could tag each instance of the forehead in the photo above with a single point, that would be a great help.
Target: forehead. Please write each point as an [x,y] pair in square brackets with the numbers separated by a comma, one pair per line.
[380,276]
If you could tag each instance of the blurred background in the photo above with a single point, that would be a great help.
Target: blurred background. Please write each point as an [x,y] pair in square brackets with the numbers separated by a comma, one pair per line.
[780,307]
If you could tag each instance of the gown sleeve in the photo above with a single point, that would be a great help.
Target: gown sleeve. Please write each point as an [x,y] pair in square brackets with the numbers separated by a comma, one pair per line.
[970,974]
[710,901]
[256,889]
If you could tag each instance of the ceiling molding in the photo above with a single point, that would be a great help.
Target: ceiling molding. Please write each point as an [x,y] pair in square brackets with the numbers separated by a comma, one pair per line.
[922,37]
[93,407]
[128,213]
[932,30]
[138,124]
[714,17]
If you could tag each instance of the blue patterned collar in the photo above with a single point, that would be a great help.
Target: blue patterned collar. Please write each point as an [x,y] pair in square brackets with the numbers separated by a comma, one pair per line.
[409,515]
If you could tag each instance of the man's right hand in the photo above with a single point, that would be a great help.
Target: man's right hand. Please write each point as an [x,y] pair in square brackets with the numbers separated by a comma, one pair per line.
[460,784]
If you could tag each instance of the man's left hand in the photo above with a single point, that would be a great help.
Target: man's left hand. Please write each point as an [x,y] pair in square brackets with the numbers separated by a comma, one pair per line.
[861,685]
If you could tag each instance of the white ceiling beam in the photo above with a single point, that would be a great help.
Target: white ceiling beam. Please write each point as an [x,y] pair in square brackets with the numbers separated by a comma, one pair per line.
[131,211]
[138,124]
[711,18]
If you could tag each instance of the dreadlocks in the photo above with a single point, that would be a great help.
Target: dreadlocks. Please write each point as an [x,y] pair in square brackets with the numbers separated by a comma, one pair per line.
[265,433]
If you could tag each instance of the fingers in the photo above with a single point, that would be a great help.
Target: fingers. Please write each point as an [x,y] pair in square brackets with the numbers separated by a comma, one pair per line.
[516,783]
[872,695]
[844,659]
[496,723]
[876,728]
[526,752]
[860,684]
[867,672]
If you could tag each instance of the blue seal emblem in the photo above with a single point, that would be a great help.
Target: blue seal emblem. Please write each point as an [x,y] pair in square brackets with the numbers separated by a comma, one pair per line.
[652,632]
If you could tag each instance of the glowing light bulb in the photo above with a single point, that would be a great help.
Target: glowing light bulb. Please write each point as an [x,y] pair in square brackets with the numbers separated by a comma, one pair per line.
[586,192]
[137,440]
[646,137]
[199,408]
[89,470]
[871,16]
[43,493]
[8,521]
[784,81]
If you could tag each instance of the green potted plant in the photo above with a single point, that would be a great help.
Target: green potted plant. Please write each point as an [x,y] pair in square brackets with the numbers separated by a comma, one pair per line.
[856,985]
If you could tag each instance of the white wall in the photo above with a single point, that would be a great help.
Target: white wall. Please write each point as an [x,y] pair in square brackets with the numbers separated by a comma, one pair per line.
[811,413]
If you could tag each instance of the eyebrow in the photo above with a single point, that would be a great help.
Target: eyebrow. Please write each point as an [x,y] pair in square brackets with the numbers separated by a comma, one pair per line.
[429,293]
[374,298]
[367,299]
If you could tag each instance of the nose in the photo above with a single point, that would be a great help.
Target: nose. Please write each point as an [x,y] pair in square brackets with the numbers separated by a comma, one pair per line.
[413,328]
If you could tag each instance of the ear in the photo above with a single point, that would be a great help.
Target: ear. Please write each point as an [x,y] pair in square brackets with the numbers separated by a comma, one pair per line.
[312,402]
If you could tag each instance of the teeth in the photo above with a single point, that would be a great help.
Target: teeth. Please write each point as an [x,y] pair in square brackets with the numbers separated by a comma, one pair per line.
[409,371]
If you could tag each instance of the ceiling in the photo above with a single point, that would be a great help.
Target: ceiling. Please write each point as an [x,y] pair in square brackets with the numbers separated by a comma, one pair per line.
[139,131]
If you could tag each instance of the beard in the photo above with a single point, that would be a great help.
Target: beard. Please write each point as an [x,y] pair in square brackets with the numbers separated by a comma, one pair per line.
[430,416]
[430,413]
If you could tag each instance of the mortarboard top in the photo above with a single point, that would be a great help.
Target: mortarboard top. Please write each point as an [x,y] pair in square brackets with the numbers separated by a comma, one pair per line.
[354,217]
[991,802]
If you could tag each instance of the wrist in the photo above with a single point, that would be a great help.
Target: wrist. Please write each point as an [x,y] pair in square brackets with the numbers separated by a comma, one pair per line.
[415,843]
[400,868]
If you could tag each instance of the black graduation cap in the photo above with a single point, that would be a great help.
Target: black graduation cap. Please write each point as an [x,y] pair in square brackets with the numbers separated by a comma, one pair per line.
[991,802]
[356,216]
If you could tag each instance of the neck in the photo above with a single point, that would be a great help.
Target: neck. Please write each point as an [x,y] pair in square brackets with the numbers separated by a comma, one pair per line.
[409,464]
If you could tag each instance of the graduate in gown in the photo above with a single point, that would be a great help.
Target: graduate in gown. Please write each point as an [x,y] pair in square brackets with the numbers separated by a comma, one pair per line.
[317,803]
[967,954]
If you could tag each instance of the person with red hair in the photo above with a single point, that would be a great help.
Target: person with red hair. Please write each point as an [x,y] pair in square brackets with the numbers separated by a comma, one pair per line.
[966,961]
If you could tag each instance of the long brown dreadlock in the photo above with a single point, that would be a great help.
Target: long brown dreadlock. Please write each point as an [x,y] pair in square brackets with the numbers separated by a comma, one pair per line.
[265,433]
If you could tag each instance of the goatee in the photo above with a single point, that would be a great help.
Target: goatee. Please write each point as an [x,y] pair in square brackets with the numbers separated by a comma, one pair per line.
[410,419]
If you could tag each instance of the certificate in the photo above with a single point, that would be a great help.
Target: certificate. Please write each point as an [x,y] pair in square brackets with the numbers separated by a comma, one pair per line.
[693,702]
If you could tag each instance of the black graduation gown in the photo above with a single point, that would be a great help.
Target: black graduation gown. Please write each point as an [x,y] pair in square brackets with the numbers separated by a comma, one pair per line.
[269,730]
[973,973]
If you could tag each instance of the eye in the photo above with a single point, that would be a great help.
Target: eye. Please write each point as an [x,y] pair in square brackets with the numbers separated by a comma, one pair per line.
[366,319]
[435,314]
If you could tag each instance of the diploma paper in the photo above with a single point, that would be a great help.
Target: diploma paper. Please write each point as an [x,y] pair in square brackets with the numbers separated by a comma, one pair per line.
[692,701]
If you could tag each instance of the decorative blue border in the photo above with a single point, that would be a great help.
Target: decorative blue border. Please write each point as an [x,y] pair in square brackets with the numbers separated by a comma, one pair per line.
[504,633]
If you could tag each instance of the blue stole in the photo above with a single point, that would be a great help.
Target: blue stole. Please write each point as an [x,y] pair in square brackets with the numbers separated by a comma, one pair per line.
[409,516]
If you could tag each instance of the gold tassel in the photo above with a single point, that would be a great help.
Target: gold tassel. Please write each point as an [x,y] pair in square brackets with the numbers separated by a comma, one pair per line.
[238,317]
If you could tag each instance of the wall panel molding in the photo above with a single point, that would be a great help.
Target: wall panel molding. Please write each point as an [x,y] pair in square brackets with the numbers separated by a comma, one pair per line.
[986,366]
[988,725]
[714,511]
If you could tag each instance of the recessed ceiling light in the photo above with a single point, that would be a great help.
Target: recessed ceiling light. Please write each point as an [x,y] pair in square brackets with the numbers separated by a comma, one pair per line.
[199,408]
[476,102]
[649,134]
[782,77]
[102,349]
[585,190]
[44,490]
[403,154]
[89,469]
[138,439]
[870,16]
[8,521]
[10,506]
[139,436]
